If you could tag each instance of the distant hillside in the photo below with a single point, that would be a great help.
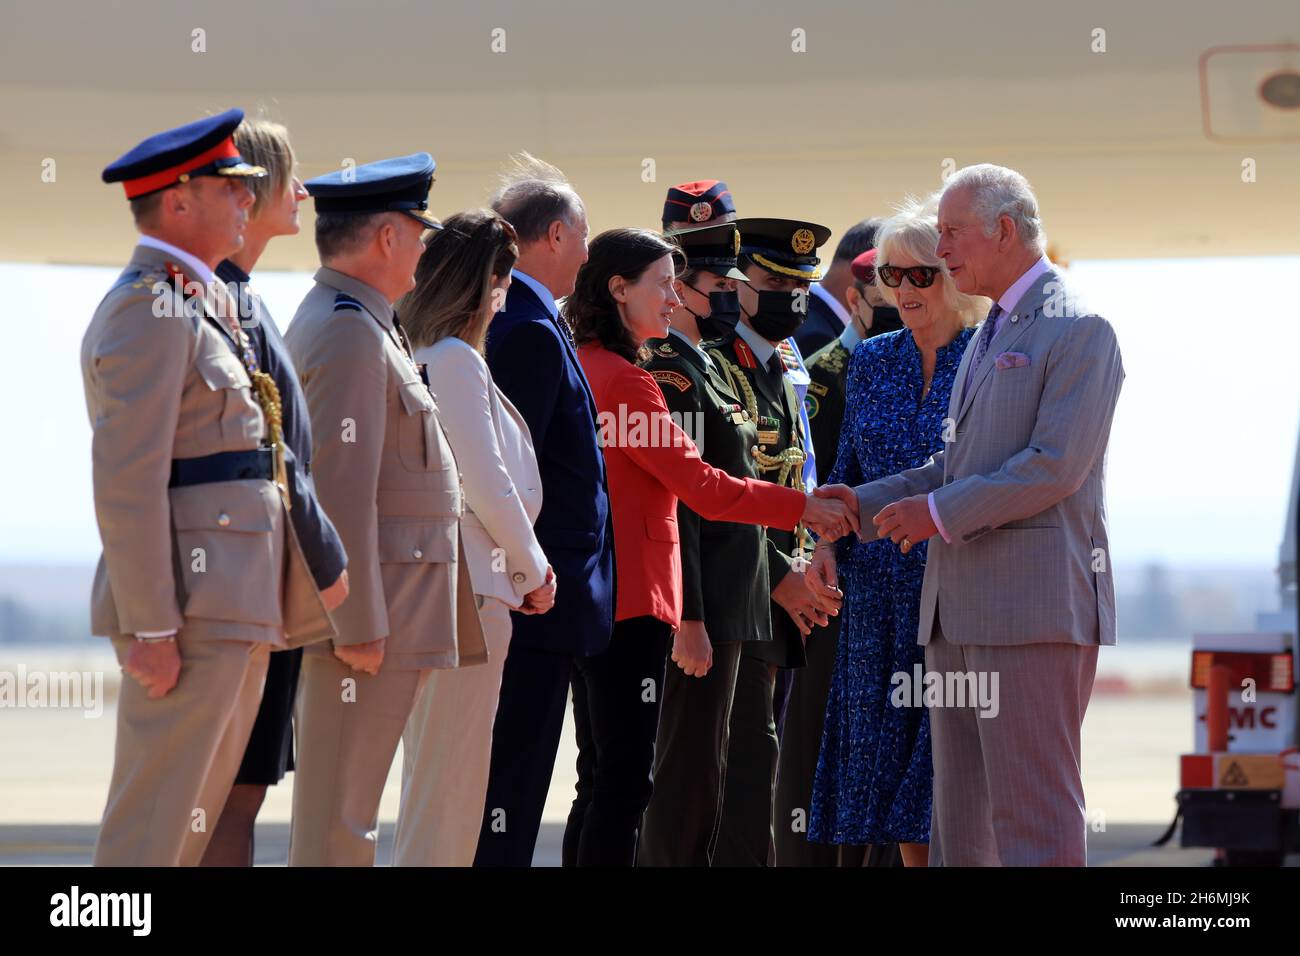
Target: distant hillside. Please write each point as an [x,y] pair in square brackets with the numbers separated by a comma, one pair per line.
[45,602]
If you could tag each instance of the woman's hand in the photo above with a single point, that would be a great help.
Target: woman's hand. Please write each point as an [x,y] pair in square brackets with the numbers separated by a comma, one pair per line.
[692,650]
[831,513]
[542,598]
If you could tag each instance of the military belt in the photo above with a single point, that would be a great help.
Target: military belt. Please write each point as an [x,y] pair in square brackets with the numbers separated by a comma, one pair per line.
[223,466]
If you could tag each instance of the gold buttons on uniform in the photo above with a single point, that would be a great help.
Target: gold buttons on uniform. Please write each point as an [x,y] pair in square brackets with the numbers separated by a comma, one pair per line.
[223,520]
[519,577]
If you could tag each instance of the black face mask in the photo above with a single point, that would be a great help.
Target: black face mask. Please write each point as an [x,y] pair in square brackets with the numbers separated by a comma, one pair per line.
[724,313]
[884,319]
[777,318]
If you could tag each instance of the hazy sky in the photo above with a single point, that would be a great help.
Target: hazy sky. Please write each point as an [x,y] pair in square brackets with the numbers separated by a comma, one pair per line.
[1200,454]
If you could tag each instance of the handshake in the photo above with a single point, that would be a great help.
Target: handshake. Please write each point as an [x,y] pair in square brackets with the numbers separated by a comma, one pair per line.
[905,522]
[831,512]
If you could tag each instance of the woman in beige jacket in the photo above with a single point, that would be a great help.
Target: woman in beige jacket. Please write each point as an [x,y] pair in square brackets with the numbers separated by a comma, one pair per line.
[462,276]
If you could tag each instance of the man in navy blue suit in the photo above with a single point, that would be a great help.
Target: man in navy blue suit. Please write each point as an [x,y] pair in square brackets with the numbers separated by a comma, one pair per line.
[530,353]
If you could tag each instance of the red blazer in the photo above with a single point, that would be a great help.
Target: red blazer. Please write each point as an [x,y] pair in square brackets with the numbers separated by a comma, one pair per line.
[648,471]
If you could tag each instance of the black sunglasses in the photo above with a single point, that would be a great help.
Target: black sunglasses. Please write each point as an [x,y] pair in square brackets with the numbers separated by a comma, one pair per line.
[921,277]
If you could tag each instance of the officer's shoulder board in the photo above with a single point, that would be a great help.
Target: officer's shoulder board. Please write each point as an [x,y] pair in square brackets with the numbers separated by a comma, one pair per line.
[346,303]
[133,282]
[831,359]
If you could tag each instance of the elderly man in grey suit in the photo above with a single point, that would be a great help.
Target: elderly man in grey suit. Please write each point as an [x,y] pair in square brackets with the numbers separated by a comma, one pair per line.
[1017,584]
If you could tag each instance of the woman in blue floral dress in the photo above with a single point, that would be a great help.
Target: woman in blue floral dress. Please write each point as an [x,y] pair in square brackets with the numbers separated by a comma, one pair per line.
[874,776]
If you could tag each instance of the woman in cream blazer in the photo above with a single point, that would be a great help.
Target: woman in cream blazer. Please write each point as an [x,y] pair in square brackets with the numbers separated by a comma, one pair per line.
[448,739]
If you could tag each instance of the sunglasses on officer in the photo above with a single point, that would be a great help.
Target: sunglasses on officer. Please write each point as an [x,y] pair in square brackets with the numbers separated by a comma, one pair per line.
[921,277]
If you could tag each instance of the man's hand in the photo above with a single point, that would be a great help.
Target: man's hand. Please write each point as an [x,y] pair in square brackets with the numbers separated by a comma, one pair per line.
[364,658]
[821,578]
[335,594]
[848,498]
[829,516]
[906,522]
[541,598]
[155,665]
[692,651]
[798,600]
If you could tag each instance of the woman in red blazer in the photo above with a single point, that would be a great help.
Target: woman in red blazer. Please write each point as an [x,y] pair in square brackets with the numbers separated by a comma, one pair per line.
[624,296]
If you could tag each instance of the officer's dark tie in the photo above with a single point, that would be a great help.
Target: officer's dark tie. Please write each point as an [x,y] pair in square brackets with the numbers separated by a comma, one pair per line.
[774,365]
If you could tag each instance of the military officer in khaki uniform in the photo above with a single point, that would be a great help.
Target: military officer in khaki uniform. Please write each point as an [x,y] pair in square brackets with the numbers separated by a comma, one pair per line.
[201,574]
[385,473]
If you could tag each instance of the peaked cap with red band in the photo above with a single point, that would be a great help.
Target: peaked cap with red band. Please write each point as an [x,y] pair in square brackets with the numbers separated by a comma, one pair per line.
[201,148]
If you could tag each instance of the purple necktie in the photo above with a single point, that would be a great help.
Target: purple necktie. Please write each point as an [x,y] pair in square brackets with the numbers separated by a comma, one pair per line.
[989,330]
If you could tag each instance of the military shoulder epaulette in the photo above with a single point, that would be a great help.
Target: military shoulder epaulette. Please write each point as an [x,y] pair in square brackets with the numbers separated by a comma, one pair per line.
[833,358]
[134,278]
[344,301]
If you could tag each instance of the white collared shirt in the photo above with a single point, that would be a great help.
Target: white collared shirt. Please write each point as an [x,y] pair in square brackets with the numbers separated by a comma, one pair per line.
[840,312]
[698,351]
[201,271]
[542,292]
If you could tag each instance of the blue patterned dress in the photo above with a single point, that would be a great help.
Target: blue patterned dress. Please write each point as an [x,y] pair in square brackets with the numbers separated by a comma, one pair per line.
[874,777]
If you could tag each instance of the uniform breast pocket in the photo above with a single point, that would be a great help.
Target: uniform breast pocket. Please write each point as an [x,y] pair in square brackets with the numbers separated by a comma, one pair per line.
[417,541]
[239,416]
[420,442]
[229,553]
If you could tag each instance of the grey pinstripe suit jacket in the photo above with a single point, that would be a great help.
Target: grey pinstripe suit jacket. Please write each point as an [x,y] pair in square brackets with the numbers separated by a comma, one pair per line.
[1020,483]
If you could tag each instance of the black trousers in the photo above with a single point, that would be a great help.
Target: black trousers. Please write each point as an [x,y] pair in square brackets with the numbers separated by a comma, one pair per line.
[525,739]
[616,701]
[745,831]
[681,822]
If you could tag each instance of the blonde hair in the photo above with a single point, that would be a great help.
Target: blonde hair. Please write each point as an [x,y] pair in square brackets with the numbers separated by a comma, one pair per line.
[264,143]
[913,233]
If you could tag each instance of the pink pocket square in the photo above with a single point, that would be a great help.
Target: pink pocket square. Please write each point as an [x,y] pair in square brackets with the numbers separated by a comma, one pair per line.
[1011,360]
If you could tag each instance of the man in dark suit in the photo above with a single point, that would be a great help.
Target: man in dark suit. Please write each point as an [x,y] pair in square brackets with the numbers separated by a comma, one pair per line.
[531,356]
[828,304]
